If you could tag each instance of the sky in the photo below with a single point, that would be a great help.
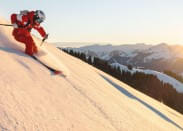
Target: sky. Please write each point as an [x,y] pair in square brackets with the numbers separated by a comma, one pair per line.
[106,21]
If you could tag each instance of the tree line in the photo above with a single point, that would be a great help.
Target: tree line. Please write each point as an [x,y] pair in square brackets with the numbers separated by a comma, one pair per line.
[146,83]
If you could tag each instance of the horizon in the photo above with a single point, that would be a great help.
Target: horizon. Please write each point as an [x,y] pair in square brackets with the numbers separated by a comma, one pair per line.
[83,44]
[107,21]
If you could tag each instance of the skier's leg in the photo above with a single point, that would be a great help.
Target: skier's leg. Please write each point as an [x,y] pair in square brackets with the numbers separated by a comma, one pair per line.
[30,46]
[25,37]
[20,38]
[27,42]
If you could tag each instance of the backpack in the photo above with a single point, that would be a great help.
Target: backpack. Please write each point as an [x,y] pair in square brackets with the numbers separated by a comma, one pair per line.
[24,12]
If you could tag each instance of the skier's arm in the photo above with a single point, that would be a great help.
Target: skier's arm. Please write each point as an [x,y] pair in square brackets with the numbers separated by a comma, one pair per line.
[40,30]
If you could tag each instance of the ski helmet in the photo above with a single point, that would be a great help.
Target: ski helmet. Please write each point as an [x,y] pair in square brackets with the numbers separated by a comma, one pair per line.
[39,16]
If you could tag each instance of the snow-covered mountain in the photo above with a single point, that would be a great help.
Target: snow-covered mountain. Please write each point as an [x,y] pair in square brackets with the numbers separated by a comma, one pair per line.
[87,100]
[157,57]
[109,50]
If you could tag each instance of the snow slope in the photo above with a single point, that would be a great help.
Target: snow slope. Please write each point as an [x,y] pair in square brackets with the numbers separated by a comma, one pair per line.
[88,100]
[161,76]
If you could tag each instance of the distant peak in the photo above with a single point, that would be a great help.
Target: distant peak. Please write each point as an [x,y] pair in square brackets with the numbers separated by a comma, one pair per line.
[163,44]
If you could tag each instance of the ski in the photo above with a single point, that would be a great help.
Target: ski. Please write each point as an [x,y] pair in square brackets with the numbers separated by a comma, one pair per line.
[54,72]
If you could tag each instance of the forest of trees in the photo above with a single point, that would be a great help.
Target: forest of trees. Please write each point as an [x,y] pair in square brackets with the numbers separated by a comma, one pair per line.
[146,83]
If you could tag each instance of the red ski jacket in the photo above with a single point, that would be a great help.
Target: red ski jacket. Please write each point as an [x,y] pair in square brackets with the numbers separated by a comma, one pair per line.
[26,21]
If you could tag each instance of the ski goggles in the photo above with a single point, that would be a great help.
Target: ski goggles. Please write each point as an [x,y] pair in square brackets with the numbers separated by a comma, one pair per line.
[39,20]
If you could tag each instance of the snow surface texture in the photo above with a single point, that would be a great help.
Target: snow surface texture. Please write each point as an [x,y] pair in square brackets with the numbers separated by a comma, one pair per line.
[88,100]
[161,76]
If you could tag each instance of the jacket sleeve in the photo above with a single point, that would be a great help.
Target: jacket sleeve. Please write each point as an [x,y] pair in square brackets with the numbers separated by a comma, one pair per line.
[40,30]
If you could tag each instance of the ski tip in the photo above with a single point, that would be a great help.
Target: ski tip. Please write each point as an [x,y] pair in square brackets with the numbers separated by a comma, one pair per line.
[59,73]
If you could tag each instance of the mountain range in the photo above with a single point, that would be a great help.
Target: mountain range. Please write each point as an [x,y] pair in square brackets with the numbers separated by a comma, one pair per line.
[159,57]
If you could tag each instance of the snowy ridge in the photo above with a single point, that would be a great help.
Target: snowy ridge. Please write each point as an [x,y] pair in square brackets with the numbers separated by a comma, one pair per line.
[161,76]
[88,100]
[126,50]
[109,47]
[160,51]
[146,52]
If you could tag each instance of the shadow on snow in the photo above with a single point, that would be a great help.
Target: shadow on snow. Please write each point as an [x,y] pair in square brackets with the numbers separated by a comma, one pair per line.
[128,94]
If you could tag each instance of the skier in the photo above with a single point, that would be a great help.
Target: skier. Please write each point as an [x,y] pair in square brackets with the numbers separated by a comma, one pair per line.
[23,24]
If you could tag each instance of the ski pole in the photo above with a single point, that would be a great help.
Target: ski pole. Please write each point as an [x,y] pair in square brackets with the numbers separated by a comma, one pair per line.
[6,25]
[44,39]
[42,43]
